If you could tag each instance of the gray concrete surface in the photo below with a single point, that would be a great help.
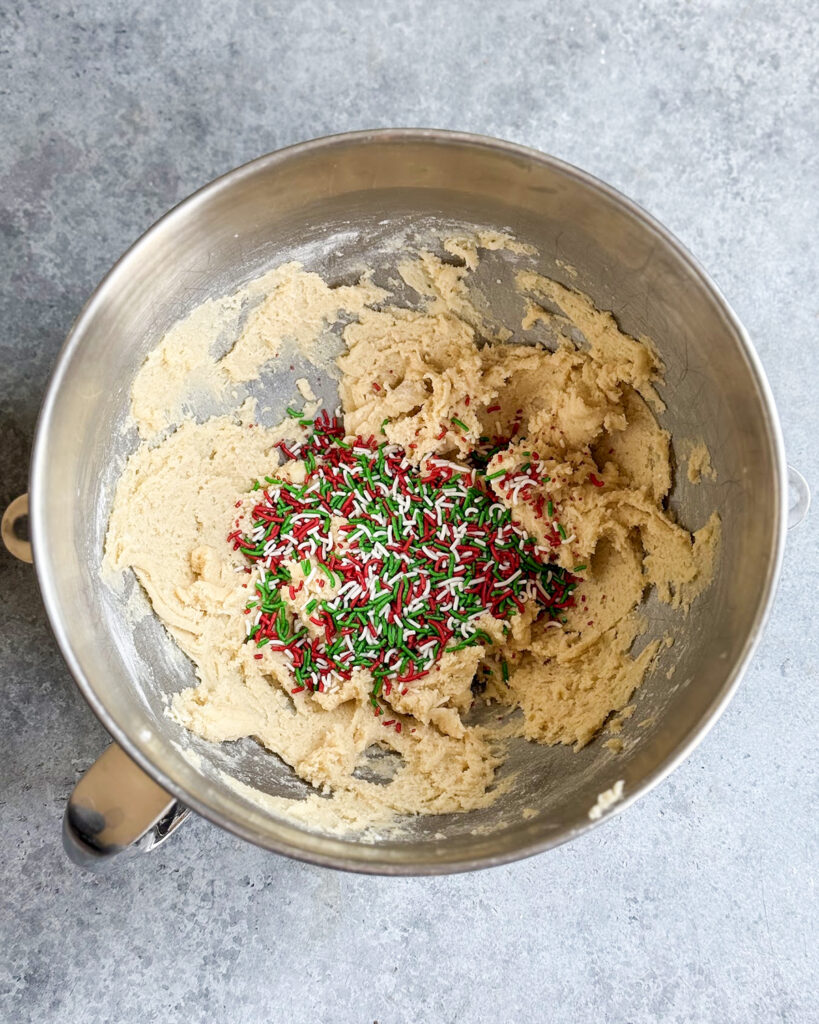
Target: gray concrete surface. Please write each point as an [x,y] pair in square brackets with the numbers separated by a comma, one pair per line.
[697,904]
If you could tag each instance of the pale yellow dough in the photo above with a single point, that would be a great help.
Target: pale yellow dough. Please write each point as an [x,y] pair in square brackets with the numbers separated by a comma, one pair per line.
[586,410]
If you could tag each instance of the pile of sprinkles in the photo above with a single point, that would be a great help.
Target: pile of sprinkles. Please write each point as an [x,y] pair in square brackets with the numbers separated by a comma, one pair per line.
[412,558]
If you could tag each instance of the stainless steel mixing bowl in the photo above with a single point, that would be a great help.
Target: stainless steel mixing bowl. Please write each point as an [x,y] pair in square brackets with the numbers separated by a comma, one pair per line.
[332,202]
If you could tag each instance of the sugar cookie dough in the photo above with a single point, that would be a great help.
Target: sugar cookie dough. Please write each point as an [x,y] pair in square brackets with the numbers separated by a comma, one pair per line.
[566,445]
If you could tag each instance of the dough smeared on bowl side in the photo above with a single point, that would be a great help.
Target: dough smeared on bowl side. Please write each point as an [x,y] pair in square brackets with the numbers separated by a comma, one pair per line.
[437,381]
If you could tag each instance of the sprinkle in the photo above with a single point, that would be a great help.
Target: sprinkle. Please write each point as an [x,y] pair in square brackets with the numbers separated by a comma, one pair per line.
[426,552]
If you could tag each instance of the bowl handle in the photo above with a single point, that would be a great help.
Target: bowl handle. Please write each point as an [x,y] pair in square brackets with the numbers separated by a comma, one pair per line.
[798,497]
[17,510]
[116,807]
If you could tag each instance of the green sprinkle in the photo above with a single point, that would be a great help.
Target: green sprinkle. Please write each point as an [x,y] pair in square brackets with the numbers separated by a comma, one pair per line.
[504,670]
[327,573]
[494,476]
[460,423]
[579,568]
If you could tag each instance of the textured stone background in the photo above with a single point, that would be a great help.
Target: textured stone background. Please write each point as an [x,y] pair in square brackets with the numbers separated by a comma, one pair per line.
[696,904]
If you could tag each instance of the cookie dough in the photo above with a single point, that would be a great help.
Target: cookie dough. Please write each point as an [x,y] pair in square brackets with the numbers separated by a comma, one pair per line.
[430,380]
